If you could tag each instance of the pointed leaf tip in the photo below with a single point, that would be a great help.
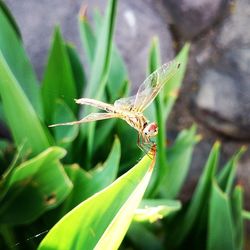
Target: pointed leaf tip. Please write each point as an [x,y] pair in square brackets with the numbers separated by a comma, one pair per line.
[83,12]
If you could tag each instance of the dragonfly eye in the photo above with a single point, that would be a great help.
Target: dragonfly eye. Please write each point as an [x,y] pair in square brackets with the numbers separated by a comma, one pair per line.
[151,130]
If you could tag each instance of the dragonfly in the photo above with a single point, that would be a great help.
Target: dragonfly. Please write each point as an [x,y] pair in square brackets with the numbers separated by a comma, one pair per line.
[130,109]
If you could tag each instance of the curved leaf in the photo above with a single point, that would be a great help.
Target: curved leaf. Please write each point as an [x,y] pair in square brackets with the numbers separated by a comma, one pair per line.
[39,181]
[104,216]
[18,63]
[22,119]
[12,20]
[91,182]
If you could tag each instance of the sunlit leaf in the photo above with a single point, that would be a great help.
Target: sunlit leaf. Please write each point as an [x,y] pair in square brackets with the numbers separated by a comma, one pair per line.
[153,210]
[96,223]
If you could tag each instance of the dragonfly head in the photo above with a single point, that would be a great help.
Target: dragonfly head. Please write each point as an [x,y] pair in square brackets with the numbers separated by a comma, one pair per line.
[151,129]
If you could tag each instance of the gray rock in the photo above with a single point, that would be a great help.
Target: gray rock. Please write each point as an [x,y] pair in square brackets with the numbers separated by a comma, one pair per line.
[223,100]
[137,22]
[221,106]
[234,31]
[191,17]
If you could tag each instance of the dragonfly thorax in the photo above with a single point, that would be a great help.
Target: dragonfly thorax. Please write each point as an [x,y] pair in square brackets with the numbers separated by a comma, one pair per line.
[151,129]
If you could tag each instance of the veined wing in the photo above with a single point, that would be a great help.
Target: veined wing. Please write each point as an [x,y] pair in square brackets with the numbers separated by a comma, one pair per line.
[149,88]
[98,104]
[89,118]
[126,103]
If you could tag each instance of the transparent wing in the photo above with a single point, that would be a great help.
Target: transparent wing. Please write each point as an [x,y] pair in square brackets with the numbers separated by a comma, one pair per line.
[149,88]
[126,103]
[89,118]
[98,104]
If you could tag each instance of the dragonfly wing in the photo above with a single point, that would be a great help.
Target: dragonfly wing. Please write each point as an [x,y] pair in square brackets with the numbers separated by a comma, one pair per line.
[89,118]
[98,104]
[126,103]
[153,84]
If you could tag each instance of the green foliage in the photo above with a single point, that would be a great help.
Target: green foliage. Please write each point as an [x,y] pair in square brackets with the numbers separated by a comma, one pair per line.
[39,181]
[54,85]
[74,180]
[98,219]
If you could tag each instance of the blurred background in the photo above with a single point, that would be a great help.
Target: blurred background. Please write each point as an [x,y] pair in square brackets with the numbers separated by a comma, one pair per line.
[216,89]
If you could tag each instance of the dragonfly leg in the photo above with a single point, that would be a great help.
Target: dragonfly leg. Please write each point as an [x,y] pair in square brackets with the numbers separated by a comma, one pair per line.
[146,145]
[140,144]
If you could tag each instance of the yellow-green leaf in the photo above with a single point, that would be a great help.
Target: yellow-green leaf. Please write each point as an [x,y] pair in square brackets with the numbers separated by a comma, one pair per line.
[101,221]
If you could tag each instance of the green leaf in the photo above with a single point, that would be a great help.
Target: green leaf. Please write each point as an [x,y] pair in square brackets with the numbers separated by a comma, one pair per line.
[154,55]
[2,118]
[89,183]
[162,108]
[87,36]
[96,222]
[64,135]
[118,75]
[100,69]
[101,63]
[227,175]
[246,214]
[14,55]
[10,17]
[23,122]
[77,69]
[186,220]
[103,133]
[171,89]
[179,158]
[33,187]
[155,209]
[143,238]
[58,82]
[220,226]
[237,206]
[154,63]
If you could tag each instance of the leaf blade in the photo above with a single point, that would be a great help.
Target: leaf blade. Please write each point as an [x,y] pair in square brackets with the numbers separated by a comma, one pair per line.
[30,131]
[103,218]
